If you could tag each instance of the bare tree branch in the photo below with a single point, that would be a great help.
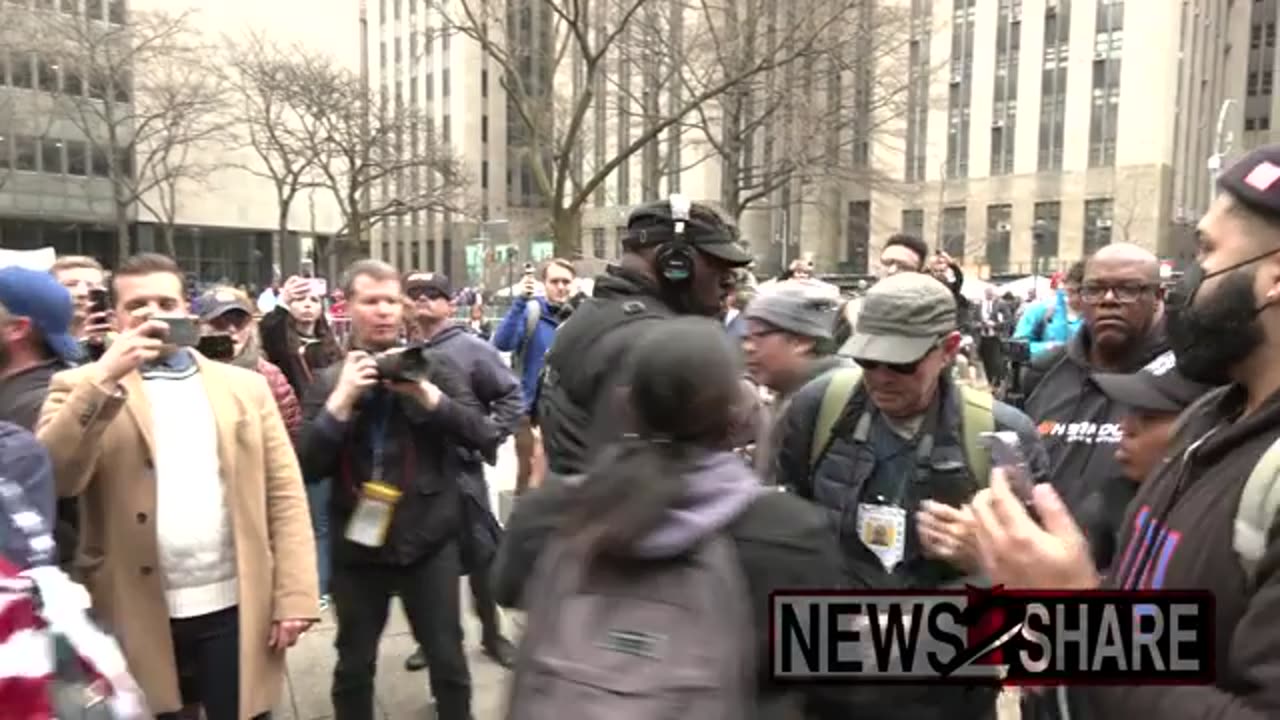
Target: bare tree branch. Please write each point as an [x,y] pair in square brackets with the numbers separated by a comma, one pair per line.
[357,156]
[141,95]
[275,87]
[669,49]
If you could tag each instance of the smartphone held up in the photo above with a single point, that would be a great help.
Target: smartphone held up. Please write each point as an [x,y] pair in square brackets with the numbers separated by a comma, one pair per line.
[1006,454]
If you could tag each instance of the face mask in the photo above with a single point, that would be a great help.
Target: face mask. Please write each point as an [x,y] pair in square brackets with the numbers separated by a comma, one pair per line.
[1219,333]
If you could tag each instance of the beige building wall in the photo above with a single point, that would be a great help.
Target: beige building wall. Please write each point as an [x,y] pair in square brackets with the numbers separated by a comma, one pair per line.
[1178,63]
[233,196]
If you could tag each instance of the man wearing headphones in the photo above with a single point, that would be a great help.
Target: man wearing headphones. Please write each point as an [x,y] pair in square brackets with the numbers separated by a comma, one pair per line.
[677,259]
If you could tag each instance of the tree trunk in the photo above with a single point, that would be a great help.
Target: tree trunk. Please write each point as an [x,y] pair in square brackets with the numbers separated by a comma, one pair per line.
[566,229]
[170,248]
[122,232]
[282,232]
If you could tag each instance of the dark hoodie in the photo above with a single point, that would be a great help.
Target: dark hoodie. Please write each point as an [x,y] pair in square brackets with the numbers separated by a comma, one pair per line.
[1079,424]
[494,390]
[588,364]
[1190,503]
[782,541]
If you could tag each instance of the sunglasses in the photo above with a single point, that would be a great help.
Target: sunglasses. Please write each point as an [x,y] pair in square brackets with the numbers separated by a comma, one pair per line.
[907,368]
[418,293]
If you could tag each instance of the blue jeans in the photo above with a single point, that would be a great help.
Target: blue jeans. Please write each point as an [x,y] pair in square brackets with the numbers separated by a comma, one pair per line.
[318,500]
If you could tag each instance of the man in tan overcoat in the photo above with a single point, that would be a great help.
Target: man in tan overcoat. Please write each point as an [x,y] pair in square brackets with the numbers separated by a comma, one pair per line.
[196,542]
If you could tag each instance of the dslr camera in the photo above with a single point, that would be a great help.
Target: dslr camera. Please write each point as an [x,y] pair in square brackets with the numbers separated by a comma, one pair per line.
[408,364]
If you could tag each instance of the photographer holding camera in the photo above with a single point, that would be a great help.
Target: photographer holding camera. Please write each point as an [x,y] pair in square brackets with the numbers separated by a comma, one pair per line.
[384,426]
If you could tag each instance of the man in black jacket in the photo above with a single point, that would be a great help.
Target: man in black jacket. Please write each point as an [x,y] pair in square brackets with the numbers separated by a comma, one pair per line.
[677,259]
[1198,522]
[391,441]
[491,389]
[1122,331]
[897,456]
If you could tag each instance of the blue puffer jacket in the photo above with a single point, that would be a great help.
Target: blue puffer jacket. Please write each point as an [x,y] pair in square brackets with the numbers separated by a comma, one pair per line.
[510,337]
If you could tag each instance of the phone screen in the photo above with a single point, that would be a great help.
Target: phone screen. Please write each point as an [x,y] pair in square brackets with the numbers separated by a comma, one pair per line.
[183,331]
[98,301]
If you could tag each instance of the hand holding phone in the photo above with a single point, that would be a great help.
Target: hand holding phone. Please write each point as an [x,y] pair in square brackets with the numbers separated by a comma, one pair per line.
[183,331]
[1006,454]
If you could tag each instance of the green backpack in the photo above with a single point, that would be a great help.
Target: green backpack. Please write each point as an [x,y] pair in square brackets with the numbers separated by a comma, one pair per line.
[977,419]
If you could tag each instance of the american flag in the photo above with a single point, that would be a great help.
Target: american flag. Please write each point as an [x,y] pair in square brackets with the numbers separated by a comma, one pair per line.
[37,606]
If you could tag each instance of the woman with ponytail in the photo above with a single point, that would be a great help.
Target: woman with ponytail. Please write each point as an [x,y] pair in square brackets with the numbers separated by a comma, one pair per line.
[671,484]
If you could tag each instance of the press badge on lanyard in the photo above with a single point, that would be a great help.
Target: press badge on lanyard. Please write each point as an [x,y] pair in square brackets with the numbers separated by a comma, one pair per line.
[371,520]
[883,530]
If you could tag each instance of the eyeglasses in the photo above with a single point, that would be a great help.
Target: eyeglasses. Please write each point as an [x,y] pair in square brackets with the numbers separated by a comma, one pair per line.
[1124,293]
[418,293]
[907,368]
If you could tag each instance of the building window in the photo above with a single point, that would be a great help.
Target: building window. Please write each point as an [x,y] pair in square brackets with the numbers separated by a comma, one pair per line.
[71,7]
[999,232]
[116,13]
[445,129]
[857,237]
[72,85]
[599,247]
[1271,35]
[51,157]
[6,146]
[1105,119]
[1053,85]
[1004,104]
[444,83]
[47,75]
[77,158]
[953,226]
[959,93]
[26,153]
[1047,217]
[1097,224]
[93,9]
[1268,79]
[21,71]
[484,128]
[1251,84]
[913,223]
[484,174]
[1248,124]
[101,166]
[919,73]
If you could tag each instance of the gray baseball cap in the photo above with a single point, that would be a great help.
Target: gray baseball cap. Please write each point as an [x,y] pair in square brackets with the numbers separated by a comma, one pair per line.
[902,317]
[795,312]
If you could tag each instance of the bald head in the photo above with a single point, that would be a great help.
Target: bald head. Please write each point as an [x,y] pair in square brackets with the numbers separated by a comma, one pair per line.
[1124,255]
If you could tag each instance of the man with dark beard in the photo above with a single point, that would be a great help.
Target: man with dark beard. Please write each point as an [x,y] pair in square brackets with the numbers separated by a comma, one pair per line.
[1204,519]
[678,259]
[1122,332]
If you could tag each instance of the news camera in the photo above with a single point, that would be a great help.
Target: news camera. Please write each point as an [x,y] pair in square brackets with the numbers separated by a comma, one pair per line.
[1017,357]
[409,364]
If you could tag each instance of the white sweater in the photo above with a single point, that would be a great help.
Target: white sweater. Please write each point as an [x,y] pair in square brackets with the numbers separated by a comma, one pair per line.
[193,527]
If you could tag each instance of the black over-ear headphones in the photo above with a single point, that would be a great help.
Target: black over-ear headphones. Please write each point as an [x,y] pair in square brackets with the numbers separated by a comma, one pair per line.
[675,257]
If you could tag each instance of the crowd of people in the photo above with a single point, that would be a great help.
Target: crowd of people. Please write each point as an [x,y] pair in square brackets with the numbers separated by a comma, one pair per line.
[219,477]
